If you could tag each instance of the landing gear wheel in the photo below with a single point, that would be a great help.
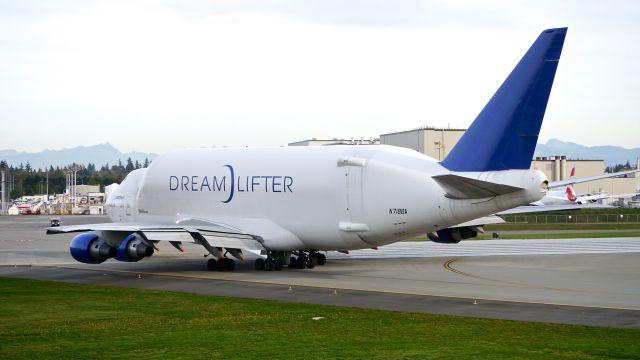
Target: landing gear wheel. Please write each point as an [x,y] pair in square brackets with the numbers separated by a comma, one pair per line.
[277,265]
[293,262]
[322,259]
[222,264]
[212,264]
[301,263]
[311,263]
[259,264]
[229,264]
[269,264]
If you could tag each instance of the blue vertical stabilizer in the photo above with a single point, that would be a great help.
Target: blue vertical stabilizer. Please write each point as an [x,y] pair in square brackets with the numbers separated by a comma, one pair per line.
[504,134]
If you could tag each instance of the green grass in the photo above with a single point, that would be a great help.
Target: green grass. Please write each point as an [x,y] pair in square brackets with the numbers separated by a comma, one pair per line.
[56,320]
[560,235]
[567,235]
[597,211]
[562,226]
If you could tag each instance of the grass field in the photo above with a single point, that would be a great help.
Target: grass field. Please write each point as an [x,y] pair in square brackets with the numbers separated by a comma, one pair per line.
[550,235]
[56,320]
[567,235]
[562,226]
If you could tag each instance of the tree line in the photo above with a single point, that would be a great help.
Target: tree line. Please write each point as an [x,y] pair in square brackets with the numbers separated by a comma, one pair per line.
[619,167]
[25,180]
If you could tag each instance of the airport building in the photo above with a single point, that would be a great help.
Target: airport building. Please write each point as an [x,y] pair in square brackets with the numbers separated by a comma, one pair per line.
[433,142]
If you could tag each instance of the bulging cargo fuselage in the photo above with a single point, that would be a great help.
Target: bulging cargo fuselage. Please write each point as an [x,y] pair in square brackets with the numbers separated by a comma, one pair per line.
[320,198]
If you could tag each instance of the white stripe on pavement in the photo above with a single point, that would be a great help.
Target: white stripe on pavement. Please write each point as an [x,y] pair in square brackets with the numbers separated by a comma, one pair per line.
[501,247]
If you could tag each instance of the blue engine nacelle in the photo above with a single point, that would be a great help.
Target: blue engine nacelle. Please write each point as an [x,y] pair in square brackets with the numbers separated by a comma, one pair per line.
[132,249]
[88,248]
[453,235]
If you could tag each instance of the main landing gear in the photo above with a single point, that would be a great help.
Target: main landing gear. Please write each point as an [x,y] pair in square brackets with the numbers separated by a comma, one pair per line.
[276,260]
[224,264]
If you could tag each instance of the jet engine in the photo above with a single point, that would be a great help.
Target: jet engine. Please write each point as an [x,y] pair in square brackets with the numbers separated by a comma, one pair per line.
[454,235]
[133,249]
[88,248]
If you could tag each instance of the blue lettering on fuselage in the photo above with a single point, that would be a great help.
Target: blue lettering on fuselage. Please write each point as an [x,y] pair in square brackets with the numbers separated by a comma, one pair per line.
[230,183]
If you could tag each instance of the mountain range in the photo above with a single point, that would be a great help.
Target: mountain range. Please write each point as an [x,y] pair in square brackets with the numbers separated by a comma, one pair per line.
[103,154]
[612,155]
[98,155]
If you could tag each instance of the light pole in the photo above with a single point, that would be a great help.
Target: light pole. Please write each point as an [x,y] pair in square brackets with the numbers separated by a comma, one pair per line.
[4,195]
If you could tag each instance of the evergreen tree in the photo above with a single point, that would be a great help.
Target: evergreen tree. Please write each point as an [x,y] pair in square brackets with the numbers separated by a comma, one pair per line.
[130,166]
[146,163]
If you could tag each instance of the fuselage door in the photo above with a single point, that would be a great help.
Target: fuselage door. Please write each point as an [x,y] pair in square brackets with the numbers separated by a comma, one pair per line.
[354,168]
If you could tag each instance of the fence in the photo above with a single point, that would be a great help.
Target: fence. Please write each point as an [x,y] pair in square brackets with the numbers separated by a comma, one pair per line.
[572,219]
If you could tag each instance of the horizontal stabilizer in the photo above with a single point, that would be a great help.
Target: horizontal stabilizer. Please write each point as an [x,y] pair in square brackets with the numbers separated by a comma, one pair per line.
[460,187]
[546,208]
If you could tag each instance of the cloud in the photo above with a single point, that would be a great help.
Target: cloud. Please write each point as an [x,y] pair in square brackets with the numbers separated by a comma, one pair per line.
[153,76]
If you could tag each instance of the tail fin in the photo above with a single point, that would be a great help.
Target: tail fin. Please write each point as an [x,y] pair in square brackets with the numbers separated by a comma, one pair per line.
[571,195]
[504,134]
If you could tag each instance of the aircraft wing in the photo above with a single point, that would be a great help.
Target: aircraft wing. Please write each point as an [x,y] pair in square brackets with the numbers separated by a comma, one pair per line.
[618,196]
[585,198]
[210,235]
[555,184]
[546,208]
[485,220]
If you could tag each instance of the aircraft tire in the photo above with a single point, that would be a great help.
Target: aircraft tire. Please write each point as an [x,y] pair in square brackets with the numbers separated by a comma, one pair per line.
[212,264]
[322,259]
[312,262]
[230,264]
[293,262]
[277,265]
[222,264]
[259,264]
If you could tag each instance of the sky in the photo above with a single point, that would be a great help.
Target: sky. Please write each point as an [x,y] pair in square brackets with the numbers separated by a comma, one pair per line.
[158,75]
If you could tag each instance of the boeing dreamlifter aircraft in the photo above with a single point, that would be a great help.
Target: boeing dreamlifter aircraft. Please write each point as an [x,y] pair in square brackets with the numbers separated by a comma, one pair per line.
[289,204]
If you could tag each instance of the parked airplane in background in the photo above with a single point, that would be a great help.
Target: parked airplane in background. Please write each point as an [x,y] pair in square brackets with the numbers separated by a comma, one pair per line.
[288,204]
[562,193]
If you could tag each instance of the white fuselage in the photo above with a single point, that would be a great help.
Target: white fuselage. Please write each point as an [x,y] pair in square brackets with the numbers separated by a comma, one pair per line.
[556,197]
[320,198]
